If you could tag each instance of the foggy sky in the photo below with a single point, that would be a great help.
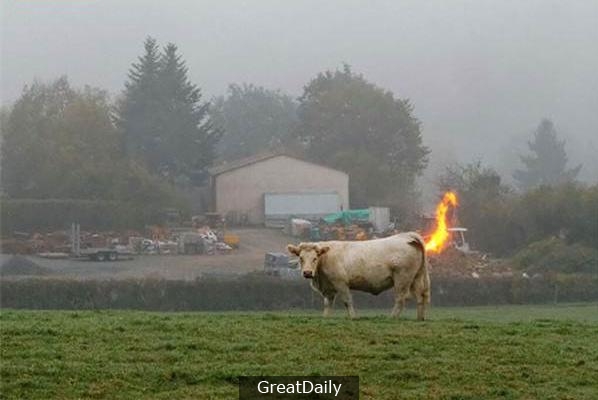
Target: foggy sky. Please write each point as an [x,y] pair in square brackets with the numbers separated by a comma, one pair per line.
[481,74]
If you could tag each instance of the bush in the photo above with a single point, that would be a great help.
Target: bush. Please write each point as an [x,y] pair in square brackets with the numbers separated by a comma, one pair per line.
[503,224]
[37,215]
[555,255]
[569,210]
[258,292]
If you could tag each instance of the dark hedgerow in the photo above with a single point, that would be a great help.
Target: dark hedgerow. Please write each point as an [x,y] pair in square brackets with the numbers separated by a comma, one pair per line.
[257,292]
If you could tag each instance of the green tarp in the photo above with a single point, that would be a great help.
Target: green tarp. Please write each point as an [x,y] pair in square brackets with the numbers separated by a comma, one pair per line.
[348,217]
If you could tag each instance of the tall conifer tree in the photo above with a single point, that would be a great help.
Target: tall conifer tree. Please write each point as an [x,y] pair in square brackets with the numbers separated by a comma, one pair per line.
[189,133]
[138,109]
[163,119]
[547,161]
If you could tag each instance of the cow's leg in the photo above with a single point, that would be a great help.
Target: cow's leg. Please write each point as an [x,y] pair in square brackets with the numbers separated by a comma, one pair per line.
[421,289]
[421,310]
[328,303]
[401,288]
[347,299]
[398,307]
[421,303]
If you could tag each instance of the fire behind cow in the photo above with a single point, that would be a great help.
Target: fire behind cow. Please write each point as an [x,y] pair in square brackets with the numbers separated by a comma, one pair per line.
[371,266]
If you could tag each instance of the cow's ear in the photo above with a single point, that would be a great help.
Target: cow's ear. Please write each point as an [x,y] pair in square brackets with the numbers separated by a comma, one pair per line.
[293,249]
[322,250]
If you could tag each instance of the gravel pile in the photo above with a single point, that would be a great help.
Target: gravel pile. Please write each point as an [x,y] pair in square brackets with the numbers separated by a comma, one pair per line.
[19,265]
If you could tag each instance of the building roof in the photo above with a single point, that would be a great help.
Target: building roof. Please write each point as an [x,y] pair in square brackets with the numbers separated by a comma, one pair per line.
[243,162]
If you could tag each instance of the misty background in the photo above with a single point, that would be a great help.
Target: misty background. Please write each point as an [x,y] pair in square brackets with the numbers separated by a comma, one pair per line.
[480,74]
[119,117]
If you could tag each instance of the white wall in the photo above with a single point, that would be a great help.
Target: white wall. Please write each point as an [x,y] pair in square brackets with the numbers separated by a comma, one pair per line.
[242,189]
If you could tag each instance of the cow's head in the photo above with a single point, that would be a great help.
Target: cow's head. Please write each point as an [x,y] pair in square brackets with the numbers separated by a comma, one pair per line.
[309,256]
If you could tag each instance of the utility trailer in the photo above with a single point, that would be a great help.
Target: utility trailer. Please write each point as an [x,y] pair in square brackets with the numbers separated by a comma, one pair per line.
[99,254]
[95,253]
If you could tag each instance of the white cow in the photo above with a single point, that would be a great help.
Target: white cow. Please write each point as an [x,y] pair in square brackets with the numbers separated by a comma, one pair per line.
[371,266]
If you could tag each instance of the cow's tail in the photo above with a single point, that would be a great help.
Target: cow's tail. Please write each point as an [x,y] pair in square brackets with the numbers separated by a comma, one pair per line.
[421,283]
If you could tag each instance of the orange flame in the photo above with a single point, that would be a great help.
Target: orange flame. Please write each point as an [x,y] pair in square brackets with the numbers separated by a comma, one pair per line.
[437,241]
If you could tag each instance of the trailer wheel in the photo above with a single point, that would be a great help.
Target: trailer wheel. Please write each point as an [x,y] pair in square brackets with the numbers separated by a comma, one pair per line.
[112,256]
[100,257]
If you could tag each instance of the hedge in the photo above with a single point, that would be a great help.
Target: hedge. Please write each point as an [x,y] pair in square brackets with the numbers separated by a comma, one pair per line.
[30,215]
[257,292]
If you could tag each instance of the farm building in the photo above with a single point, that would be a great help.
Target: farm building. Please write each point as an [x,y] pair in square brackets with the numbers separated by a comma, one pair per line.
[269,188]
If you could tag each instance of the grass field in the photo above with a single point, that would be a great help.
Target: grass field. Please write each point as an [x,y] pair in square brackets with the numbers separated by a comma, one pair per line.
[507,352]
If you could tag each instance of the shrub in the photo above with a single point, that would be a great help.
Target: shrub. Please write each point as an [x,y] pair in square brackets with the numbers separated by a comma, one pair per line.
[255,292]
[555,255]
[34,215]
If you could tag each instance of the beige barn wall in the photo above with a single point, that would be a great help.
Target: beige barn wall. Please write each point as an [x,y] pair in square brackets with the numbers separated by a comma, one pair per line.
[242,189]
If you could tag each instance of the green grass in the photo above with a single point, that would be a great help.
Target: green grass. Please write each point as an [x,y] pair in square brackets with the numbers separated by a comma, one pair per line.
[507,352]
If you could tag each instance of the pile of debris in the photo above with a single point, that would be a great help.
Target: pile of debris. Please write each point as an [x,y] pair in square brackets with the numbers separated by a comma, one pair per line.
[60,241]
[456,263]
[195,241]
[315,232]
[155,240]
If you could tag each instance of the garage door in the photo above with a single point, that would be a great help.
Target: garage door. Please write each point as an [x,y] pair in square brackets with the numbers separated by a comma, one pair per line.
[279,207]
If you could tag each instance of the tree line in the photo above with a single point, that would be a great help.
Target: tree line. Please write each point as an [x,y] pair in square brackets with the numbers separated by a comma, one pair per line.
[160,134]
[65,142]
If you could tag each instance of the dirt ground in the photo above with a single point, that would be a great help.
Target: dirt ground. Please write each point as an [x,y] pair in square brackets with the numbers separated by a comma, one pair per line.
[254,243]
